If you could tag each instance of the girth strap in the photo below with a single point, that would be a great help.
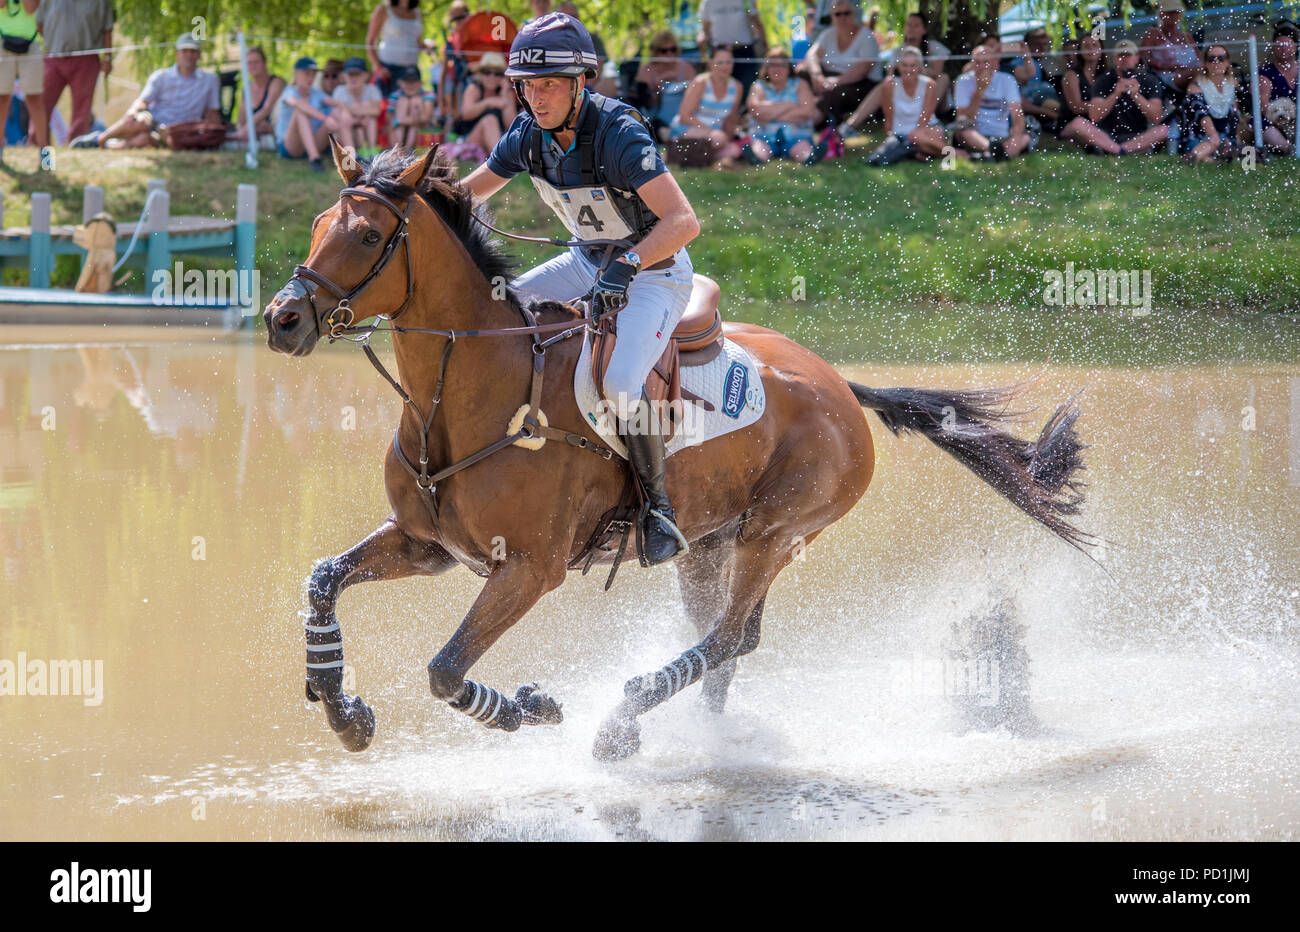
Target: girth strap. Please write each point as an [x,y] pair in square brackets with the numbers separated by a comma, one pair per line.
[531,427]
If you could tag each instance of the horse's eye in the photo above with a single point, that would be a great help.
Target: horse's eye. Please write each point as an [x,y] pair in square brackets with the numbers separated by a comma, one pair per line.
[371,237]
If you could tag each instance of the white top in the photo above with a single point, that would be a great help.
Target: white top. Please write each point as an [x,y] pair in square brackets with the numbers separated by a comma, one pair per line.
[728,20]
[400,39]
[907,110]
[175,99]
[994,116]
[835,60]
[369,94]
[1219,103]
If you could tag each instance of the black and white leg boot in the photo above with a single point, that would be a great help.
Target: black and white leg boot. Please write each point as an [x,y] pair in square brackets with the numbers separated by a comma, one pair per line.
[645,449]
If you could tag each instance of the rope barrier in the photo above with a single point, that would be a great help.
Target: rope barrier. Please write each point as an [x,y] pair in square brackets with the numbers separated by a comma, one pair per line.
[285,40]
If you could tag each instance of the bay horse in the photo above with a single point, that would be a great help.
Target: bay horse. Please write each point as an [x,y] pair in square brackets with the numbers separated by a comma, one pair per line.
[404,230]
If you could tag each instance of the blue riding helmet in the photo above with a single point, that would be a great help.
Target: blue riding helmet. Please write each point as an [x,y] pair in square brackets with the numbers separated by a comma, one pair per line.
[552,44]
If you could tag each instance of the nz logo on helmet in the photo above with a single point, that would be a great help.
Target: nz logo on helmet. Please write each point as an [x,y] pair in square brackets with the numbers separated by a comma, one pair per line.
[532,56]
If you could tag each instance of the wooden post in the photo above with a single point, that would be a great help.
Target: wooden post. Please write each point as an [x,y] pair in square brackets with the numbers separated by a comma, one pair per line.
[40,260]
[92,202]
[2,210]
[246,244]
[159,257]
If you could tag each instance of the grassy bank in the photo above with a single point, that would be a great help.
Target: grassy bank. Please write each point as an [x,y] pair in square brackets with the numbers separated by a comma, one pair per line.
[908,263]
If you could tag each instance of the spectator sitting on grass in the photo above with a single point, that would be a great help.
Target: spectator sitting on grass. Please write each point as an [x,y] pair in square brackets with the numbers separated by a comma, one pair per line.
[265,89]
[182,93]
[302,125]
[661,81]
[1277,82]
[738,25]
[1080,74]
[1127,104]
[784,108]
[1077,84]
[843,65]
[1010,57]
[909,101]
[331,76]
[990,123]
[711,107]
[488,106]
[360,105]
[1038,96]
[1209,114]
[916,36]
[410,109]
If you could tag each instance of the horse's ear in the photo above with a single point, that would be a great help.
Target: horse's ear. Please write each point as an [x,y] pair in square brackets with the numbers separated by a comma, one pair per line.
[347,164]
[416,171]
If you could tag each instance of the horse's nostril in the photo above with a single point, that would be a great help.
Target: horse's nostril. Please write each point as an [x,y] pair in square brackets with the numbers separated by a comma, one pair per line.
[287,320]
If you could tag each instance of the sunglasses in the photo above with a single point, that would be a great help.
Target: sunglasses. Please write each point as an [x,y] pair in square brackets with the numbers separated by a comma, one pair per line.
[1216,57]
[838,13]
[492,74]
[665,48]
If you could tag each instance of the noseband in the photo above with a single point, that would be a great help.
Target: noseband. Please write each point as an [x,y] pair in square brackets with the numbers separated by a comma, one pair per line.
[327,324]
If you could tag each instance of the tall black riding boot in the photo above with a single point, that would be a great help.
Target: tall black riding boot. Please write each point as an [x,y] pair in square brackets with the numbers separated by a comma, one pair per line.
[646,453]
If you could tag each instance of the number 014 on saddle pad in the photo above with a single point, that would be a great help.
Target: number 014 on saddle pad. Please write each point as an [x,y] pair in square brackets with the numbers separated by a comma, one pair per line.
[721,389]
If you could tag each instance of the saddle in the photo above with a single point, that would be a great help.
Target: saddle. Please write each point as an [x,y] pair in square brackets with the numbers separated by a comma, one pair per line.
[696,340]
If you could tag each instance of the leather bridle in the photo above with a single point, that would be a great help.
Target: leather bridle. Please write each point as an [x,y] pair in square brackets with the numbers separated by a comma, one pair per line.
[308,280]
[326,322]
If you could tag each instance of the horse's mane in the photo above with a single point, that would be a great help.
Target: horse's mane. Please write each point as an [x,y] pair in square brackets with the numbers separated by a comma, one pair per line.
[442,190]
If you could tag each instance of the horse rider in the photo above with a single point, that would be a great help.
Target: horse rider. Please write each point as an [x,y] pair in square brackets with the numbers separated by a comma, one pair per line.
[593,161]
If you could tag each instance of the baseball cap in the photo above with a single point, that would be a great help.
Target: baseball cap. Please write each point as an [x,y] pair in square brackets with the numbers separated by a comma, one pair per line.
[1126,45]
[412,73]
[355,64]
[306,63]
[187,41]
[1172,6]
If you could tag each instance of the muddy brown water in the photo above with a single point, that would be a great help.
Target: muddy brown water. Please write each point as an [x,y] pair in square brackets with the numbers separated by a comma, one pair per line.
[162,503]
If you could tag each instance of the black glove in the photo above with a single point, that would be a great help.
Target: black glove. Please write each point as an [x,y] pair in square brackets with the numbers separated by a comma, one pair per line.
[610,293]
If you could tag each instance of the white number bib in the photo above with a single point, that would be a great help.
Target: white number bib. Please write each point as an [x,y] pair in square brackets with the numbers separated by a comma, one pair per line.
[587,213]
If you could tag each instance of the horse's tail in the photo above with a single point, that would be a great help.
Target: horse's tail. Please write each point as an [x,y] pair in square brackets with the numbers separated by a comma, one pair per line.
[1038,478]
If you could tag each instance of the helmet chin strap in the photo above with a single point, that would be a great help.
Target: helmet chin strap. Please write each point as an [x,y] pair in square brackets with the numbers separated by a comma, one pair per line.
[570,119]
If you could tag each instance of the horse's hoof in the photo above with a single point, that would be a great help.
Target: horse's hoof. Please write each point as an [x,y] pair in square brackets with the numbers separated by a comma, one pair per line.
[359,731]
[618,739]
[537,707]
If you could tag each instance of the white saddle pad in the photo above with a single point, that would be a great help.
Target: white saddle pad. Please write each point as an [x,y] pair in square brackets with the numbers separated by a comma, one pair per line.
[730,383]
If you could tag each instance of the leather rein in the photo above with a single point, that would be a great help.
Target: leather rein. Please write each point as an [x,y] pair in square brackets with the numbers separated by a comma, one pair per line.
[335,328]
